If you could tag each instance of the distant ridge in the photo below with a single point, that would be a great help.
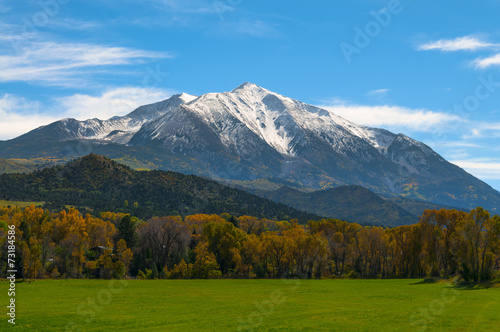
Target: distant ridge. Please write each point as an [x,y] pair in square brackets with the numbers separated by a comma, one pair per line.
[350,203]
[10,166]
[98,184]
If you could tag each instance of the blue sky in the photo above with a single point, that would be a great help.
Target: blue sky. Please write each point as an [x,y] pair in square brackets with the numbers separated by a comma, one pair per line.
[424,68]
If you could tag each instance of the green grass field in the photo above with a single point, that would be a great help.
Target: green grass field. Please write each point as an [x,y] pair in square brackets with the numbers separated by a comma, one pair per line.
[19,203]
[250,305]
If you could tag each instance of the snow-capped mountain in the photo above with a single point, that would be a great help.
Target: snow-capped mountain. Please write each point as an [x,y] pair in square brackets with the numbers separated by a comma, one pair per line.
[251,133]
[118,129]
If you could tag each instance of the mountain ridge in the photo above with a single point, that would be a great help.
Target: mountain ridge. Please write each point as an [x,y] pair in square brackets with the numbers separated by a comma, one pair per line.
[251,133]
[97,184]
[349,203]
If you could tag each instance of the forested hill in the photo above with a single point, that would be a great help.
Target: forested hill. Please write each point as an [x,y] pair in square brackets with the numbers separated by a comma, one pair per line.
[349,203]
[10,166]
[100,184]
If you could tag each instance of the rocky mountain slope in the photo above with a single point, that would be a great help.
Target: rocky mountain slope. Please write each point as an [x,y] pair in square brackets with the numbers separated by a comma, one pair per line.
[251,133]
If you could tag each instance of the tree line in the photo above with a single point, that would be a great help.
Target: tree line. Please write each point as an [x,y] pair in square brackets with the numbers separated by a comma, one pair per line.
[68,244]
[98,184]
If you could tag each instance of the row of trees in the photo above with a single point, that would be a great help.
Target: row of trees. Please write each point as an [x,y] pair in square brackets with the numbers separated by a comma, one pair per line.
[444,243]
[64,244]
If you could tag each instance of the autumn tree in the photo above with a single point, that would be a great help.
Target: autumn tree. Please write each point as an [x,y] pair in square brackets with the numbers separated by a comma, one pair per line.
[253,257]
[205,265]
[278,253]
[222,239]
[165,238]
[123,254]
[479,237]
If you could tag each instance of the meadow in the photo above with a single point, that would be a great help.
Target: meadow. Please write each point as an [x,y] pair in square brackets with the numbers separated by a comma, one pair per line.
[251,305]
[20,204]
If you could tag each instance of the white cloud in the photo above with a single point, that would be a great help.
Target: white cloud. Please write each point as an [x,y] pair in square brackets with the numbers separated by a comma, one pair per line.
[467,43]
[393,116]
[482,168]
[459,154]
[487,62]
[456,144]
[20,115]
[378,93]
[73,24]
[483,129]
[64,64]
[114,102]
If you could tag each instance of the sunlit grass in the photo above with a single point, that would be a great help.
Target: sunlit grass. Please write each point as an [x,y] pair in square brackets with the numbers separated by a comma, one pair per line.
[19,203]
[258,305]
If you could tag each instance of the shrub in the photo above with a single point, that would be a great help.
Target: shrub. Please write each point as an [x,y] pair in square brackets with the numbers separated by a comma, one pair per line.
[142,275]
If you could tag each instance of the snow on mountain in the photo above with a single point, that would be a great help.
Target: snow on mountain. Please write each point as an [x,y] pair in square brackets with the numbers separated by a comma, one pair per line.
[249,122]
[281,121]
[186,98]
[267,135]
[120,129]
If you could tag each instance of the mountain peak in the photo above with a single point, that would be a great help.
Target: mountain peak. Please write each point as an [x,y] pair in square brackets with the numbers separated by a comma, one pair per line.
[95,157]
[248,86]
[95,161]
[186,98]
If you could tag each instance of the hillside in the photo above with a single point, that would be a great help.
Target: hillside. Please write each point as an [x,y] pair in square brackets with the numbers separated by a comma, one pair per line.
[251,133]
[417,207]
[10,166]
[100,184]
[350,203]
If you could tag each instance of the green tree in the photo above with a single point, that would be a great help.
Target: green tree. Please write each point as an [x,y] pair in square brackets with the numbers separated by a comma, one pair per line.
[222,238]
[127,231]
[154,272]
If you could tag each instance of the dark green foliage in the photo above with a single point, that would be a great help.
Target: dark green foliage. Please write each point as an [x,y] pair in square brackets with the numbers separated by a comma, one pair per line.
[100,184]
[222,237]
[349,203]
[417,207]
[126,230]
[260,271]
[234,221]
[162,274]
[154,272]
[438,182]
[23,227]
[4,225]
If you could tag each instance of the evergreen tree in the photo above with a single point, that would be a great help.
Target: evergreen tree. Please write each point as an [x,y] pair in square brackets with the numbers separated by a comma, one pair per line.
[234,221]
[154,272]
[126,229]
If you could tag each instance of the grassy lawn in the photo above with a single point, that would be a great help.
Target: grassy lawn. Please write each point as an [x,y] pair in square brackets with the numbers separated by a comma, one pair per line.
[19,204]
[251,305]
